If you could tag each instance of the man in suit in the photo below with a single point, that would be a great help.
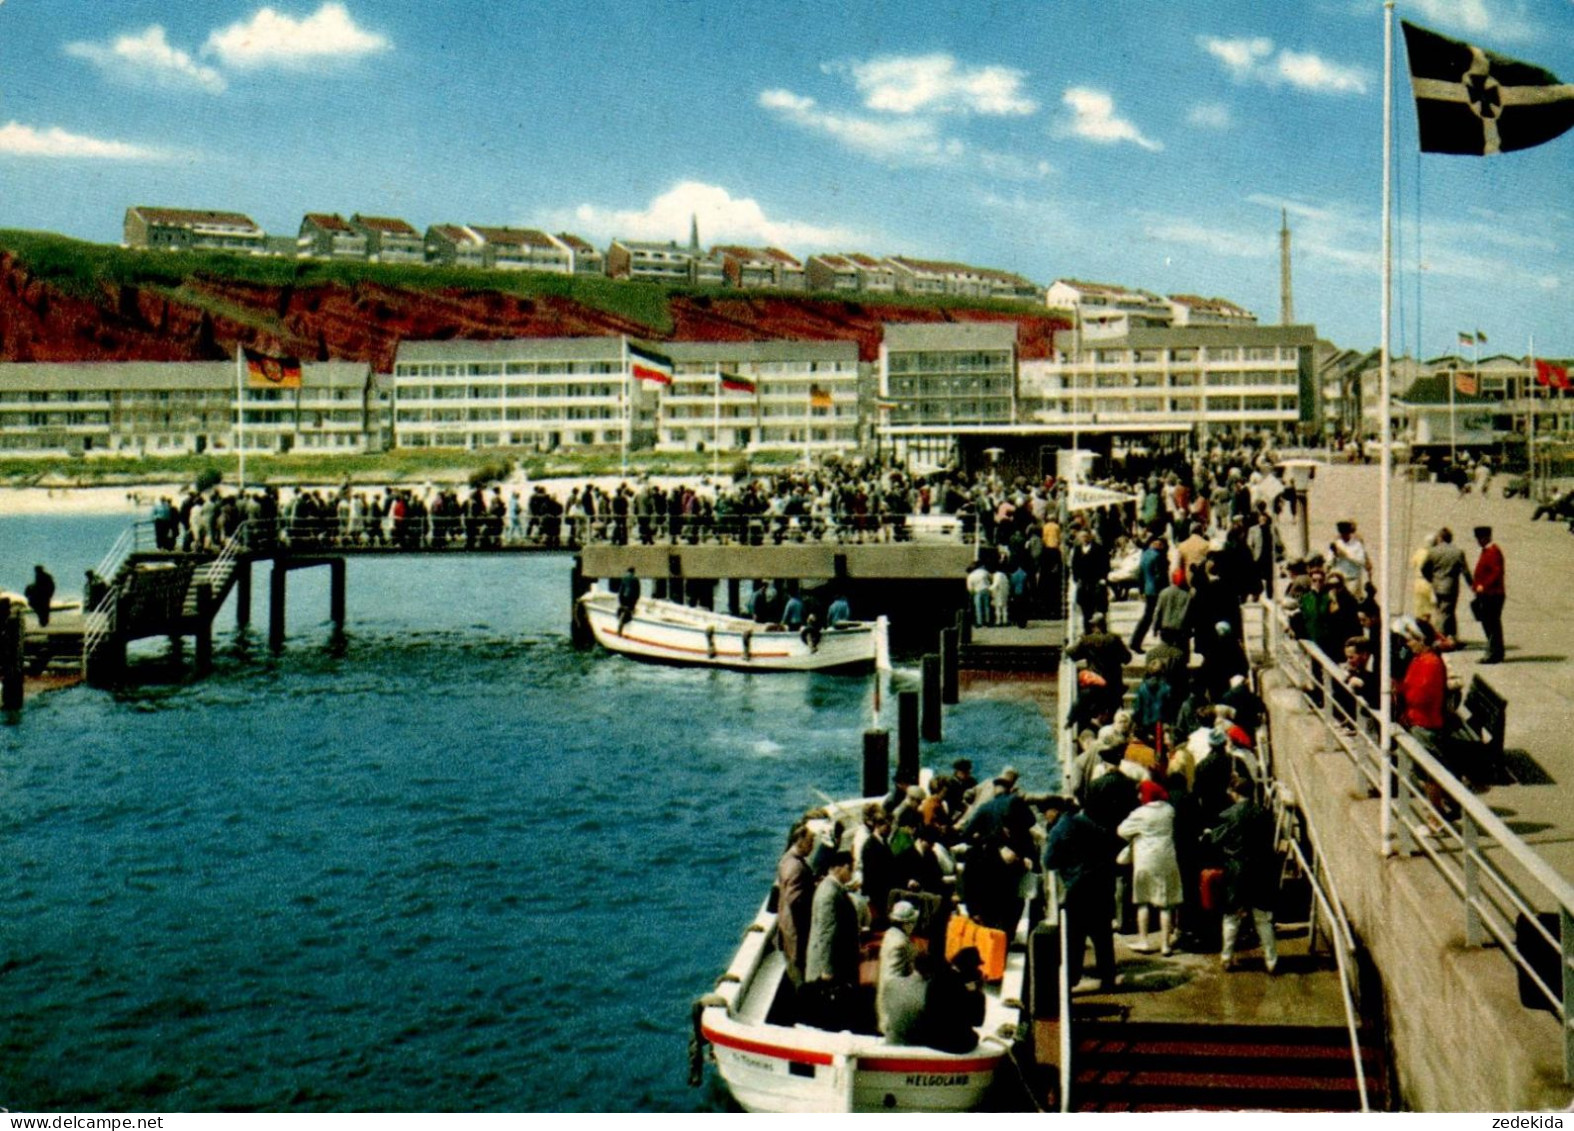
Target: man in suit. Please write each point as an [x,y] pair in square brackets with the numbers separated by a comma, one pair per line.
[1443,569]
[1490,594]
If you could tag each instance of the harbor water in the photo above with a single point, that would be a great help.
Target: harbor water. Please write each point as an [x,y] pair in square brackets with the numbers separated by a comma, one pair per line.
[456,866]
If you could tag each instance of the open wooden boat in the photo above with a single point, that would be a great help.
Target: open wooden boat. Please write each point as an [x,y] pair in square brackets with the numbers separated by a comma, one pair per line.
[666,630]
[772,1066]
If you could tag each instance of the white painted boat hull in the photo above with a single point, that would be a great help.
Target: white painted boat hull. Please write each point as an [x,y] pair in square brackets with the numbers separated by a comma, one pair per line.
[664,630]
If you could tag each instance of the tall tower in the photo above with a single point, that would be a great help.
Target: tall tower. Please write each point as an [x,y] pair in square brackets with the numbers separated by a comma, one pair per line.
[1286,298]
[694,231]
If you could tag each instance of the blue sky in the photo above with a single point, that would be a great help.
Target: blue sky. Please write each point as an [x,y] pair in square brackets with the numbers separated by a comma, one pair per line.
[1150,143]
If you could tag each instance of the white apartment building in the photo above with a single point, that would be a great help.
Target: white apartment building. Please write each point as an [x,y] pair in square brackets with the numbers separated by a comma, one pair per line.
[805,397]
[1107,310]
[543,393]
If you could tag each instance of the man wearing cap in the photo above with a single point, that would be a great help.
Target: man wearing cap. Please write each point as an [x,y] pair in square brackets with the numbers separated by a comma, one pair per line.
[896,962]
[1490,594]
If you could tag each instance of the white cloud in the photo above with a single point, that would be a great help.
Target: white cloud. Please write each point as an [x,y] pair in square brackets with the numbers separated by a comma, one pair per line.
[902,141]
[937,83]
[722,217]
[1501,19]
[26,141]
[1210,116]
[1218,241]
[148,57]
[1252,59]
[1094,118]
[273,39]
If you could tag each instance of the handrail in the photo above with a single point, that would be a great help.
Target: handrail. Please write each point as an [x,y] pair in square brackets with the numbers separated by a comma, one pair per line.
[1490,897]
[1344,948]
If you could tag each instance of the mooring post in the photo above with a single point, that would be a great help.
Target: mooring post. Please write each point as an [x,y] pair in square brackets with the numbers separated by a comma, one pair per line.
[578,627]
[877,763]
[907,758]
[243,593]
[929,716]
[276,579]
[204,633]
[735,596]
[950,663]
[12,647]
[675,587]
[964,626]
[336,585]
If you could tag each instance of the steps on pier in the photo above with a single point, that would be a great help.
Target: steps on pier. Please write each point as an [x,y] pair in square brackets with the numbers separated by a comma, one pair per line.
[1169,1066]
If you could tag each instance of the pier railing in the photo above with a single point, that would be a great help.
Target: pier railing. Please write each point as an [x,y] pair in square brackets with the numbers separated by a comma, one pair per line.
[1495,875]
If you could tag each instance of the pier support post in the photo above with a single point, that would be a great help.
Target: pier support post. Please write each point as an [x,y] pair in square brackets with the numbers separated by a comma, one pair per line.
[578,627]
[877,763]
[907,758]
[950,663]
[964,627]
[204,633]
[734,596]
[12,646]
[929,715]
[675,590]
[243,593]
[336,588]
[276,587]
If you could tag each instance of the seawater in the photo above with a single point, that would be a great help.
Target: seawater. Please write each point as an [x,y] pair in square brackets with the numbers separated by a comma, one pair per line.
[459,866]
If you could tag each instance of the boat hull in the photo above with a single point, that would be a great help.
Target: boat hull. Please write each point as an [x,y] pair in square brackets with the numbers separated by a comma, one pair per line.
[672,633]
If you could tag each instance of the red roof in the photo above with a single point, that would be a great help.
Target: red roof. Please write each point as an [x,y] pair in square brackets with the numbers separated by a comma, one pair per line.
[575,242]
[386,224]
[863,260]
[835,260]
[328,222]
[454,233]
[514,237]
[781,256]
[185,217]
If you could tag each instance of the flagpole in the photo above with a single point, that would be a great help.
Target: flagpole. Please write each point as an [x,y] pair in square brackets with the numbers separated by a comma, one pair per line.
[715,447]
[1453,457]
[1530,422]
[240,413]
[628,398]
[1385,501]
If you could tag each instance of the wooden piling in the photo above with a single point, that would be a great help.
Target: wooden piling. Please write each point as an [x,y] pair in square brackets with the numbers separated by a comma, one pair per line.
[877,763]
[243,593]
[950,665]
[907,757]
[276,589]
[204,626]
[929,713]
[12,661]
[336,588]
[675,587]
[735,596]
[578,628]
[964,626]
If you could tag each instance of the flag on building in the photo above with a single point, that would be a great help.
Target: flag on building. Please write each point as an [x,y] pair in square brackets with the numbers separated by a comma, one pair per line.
[265,372]
[886,406]
[1477,102]
[736,383]
[819,397]
[1481,339]
[1552,376]
[1466,339]
[1466,383]
[649,365]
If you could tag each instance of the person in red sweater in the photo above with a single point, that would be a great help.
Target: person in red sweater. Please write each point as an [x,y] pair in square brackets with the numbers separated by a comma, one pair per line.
[1422,694]
[1488,586]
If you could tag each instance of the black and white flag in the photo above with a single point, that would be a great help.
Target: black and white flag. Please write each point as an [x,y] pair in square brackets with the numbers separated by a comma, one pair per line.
[1477,102]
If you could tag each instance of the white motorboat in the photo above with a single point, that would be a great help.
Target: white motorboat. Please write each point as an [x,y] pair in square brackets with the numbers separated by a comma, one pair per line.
[666,630]
[770,1066]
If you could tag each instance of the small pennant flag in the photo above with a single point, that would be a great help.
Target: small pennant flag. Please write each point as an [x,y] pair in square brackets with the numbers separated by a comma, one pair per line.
[1481,339]
[1475,102]
[649,365]
[1466,383]
[819,397]
[1466,338]
[735,383]
[264,372]
[1552,376]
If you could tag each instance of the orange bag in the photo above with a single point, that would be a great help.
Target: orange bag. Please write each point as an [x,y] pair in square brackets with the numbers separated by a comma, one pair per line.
[962,932]
[1210,885]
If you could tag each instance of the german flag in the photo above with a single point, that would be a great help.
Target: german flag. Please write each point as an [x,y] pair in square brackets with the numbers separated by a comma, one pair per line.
[737,383]
[264,372]
[819,397]
[648,365]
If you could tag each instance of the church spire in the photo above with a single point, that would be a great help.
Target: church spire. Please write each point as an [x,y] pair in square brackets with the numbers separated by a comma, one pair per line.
[694,231]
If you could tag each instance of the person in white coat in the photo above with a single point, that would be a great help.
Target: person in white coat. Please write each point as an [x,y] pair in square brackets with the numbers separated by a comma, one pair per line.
[1155,871]
[896,963]
[1000,596]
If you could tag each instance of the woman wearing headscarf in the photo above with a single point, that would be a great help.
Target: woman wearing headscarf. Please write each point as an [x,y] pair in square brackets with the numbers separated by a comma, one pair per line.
[1155,870]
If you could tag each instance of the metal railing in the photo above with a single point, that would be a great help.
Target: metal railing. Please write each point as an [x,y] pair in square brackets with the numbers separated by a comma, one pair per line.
[1494,874]
[217,572]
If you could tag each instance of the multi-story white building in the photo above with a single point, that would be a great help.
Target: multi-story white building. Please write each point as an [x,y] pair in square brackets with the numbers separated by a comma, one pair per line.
[389,239]
[654,262]
[805,397]
[1194,310]
[454,245]
[523,249]
[587,260]
[832,273]
[327,235]
[191,229]
[1106,310]
[179,407]
[941,380]
[542,393]
[1182,379]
